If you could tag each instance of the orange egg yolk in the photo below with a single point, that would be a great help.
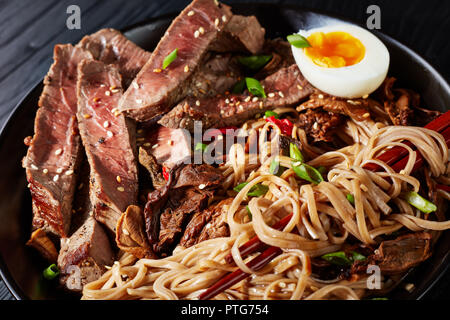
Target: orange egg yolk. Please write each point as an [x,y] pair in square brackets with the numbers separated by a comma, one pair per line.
[334,49]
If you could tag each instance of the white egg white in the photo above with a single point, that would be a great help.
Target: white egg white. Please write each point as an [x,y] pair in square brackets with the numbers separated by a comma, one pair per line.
[353,81]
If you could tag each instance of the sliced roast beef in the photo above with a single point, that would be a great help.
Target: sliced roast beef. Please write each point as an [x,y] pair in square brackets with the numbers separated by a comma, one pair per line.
[319,125]
[84,255]
[399,255]
[243,34]
[55,151]
[287,87]
[170,208]
[169,147]
[207,224]
[111,46]
[109,141]
[155,90]
[216,76]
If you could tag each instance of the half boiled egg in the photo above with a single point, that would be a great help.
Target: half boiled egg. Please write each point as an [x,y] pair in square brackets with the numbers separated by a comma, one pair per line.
[343,60]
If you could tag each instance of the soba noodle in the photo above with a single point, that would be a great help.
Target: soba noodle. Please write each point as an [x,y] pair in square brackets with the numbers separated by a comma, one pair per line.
[321,215]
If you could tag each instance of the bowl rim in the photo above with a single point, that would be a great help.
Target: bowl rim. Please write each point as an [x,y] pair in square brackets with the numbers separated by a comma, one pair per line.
[5,275]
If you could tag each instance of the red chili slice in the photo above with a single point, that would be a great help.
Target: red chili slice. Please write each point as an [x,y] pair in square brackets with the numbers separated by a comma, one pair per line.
[165,173]
[284,124]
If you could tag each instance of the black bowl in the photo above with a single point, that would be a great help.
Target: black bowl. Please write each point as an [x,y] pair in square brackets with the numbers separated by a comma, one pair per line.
[21,267]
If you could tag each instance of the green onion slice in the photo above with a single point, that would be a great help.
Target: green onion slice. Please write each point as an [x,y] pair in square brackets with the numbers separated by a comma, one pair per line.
[51,272]
[380,298]
[298,41]
[255,62]
[295,153]
[249,213]
[424,205]
[238,87]
[270,113]
[340,258]
[201,146]
[274,166]
[170,58]
[255,191]
[254,87]
[308,173]
[322,170]
[351,198]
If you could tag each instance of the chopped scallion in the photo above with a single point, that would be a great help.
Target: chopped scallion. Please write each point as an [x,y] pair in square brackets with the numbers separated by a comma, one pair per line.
[238,87]
[274,166]
[201,146]
[270,113]
[51,272]
[170,58]
[249,213]
[255,63]
[254,87]
[255,191]
[308,173]
[351,198]
[424,205]
[298,41]
[295,153]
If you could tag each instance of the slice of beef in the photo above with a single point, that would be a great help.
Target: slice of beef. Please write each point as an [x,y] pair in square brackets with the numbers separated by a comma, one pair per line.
[131,236]
[287,87]
[154,91]
[55,150]
[43,244]
[207,224]
[357,109]
[112,47]
[170,208]
[169,147]
[84,255]
[319,125]
[109,141]
[399,255]
[242,34]
[216,76]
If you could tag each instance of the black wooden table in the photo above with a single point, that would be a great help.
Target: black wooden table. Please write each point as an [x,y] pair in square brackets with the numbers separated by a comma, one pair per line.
[29,29]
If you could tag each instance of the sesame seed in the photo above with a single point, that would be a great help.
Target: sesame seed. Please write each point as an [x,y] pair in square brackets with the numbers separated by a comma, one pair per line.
[261,105]
[95,99]
[196,33]
[113,110]
[140,131]
[80,186]
[366,115]
[102,85]
[45,171]
[197,103]
[157,70]
[201,30]
[247,99]
[108,93]
[186,68]
[365,96]
[409,287]
[281,94]
[115,90]
[170,142]
[69,172]
[216,22]
[227,100]
[117,113]
[110,134]
[119,179]
[155,146]
[238,103]
[59,170]
[202,186]
[191,13]
[29,185]
[299,87]
[87,116]
[271,95]
[224,18]
[121,189]
[135,85]
[58,152]
[56,178]
[402,171]
[255,99]
[148,144]
[125,232]
[315,125]
[106,124]
[139,101]
[320,96]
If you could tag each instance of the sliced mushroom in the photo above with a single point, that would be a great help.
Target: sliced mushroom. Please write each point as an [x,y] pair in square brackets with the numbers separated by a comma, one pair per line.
[42,243]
